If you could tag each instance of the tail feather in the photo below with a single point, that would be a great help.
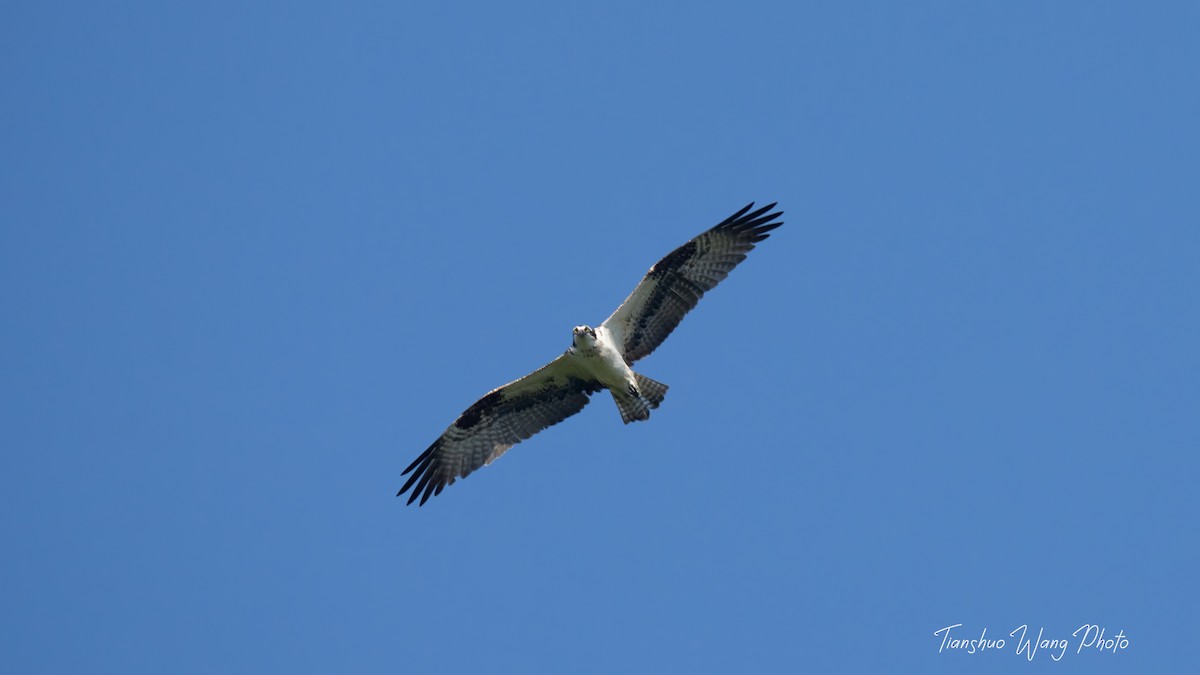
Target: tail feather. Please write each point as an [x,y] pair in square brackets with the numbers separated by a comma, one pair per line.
[636,407]
[652,391]
[633,409]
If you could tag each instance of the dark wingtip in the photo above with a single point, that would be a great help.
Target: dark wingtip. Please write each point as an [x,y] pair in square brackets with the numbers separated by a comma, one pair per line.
[424,470]
[747,220]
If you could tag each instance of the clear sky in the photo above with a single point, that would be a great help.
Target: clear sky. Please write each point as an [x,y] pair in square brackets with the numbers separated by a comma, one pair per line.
[255,258]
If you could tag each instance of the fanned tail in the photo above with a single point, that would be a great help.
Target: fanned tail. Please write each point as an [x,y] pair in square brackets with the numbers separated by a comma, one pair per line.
[636,406]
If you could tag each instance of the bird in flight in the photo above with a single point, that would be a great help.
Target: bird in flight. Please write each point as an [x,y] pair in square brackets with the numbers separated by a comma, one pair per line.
[599,358]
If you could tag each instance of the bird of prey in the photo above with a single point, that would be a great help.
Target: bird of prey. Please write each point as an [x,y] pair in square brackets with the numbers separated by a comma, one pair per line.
[599,358]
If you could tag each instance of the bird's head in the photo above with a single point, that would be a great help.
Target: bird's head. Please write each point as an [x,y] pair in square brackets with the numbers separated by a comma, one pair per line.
[584,337]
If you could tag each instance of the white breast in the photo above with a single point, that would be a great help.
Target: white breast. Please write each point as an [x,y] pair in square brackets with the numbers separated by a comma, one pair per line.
[606,364]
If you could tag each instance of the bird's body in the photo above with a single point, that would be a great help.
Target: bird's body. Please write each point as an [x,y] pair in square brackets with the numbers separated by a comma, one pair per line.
[593,349]
[598,358]
[596,353]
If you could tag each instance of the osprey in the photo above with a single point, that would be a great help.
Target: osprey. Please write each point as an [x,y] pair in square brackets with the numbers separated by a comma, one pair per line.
[599,358]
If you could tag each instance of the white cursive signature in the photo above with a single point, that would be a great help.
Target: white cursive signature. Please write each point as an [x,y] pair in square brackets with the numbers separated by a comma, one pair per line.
[1090,637]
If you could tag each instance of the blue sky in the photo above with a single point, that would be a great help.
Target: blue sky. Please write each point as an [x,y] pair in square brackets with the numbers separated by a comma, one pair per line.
[255,258]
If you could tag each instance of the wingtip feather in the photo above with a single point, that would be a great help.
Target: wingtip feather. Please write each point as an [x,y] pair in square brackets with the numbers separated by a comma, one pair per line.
[746,220]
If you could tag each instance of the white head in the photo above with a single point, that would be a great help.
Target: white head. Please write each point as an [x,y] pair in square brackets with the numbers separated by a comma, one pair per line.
[584,337]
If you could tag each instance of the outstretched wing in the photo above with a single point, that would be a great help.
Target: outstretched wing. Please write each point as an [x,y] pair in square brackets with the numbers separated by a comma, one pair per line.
[496,422]
[676,283]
